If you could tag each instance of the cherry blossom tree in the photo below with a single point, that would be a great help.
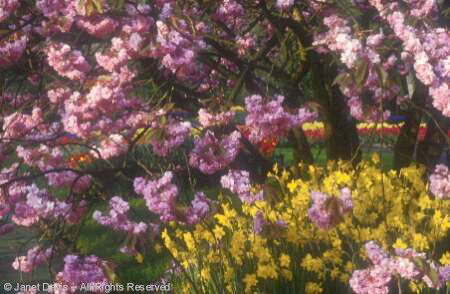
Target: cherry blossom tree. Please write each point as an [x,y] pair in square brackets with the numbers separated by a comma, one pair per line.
[104,102]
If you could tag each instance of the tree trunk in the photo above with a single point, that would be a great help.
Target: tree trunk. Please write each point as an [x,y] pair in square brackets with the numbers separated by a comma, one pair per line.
[407,139]
[341,133]
[431,148]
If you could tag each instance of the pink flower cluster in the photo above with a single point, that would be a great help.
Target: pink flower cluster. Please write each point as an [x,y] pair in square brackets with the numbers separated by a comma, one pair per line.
[232,13]
[31,204]
[373,280]
[83,270]
[19,125]
[7,7]
[42,205]
[169,135]
[200,208]
[440,182]
[160,195]
[284,4]
[107,108]
[211,154]
[245,44]
[208,119]
[238,182]
[35,257]
[112,146]
[427,49]
[98,26]
[270,119]
[327,211]
[46,159]
[60,14]
[12,49]
[263,226]
[339,39]
[58,95]
[16,100]
[118,219]
[12,198]
[423,8]
[67,62]
[177,52]
[128,45]
[377,277]
[354,55]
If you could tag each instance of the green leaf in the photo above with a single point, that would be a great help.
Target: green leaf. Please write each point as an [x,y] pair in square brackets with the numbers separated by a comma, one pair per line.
[382,75]
[420,263]
[342,79]
[149,135]
[98,5]
[110,272]
[163,120]
[434,276]
[272,191]
[446,12]
[362,72]
[411,83]
[119,4]
[169,106]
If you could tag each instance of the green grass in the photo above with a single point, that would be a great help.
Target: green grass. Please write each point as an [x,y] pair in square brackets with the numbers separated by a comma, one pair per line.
[320,157]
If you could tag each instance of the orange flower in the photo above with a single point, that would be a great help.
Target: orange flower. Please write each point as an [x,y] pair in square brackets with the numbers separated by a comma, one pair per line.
[268,145]
[77,159]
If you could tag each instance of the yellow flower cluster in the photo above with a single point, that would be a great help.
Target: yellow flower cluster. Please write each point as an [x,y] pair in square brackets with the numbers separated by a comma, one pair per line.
[316,126]
[292,255]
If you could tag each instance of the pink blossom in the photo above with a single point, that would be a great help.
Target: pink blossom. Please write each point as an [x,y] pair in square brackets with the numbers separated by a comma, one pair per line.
[169,136]
[35,257]
[200,208]
[160,195]
[19,125]
[327,211]
[67,62]
[12,49]
[7,7]
[207,119]
[284,4]
[245,43]
[270,119]
[263,226]
[374,280]
[376,253]
[112,146]
[58,95]
[238,182]
[440,182]
[118,218]
[231,13]
[98,26]
[211,154]
[83,270]
[339,38]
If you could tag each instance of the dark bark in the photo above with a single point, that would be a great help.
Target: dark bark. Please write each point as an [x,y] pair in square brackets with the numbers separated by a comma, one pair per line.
[407,139]
[342,139]
[342,135]
[302,150]
[431,148]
